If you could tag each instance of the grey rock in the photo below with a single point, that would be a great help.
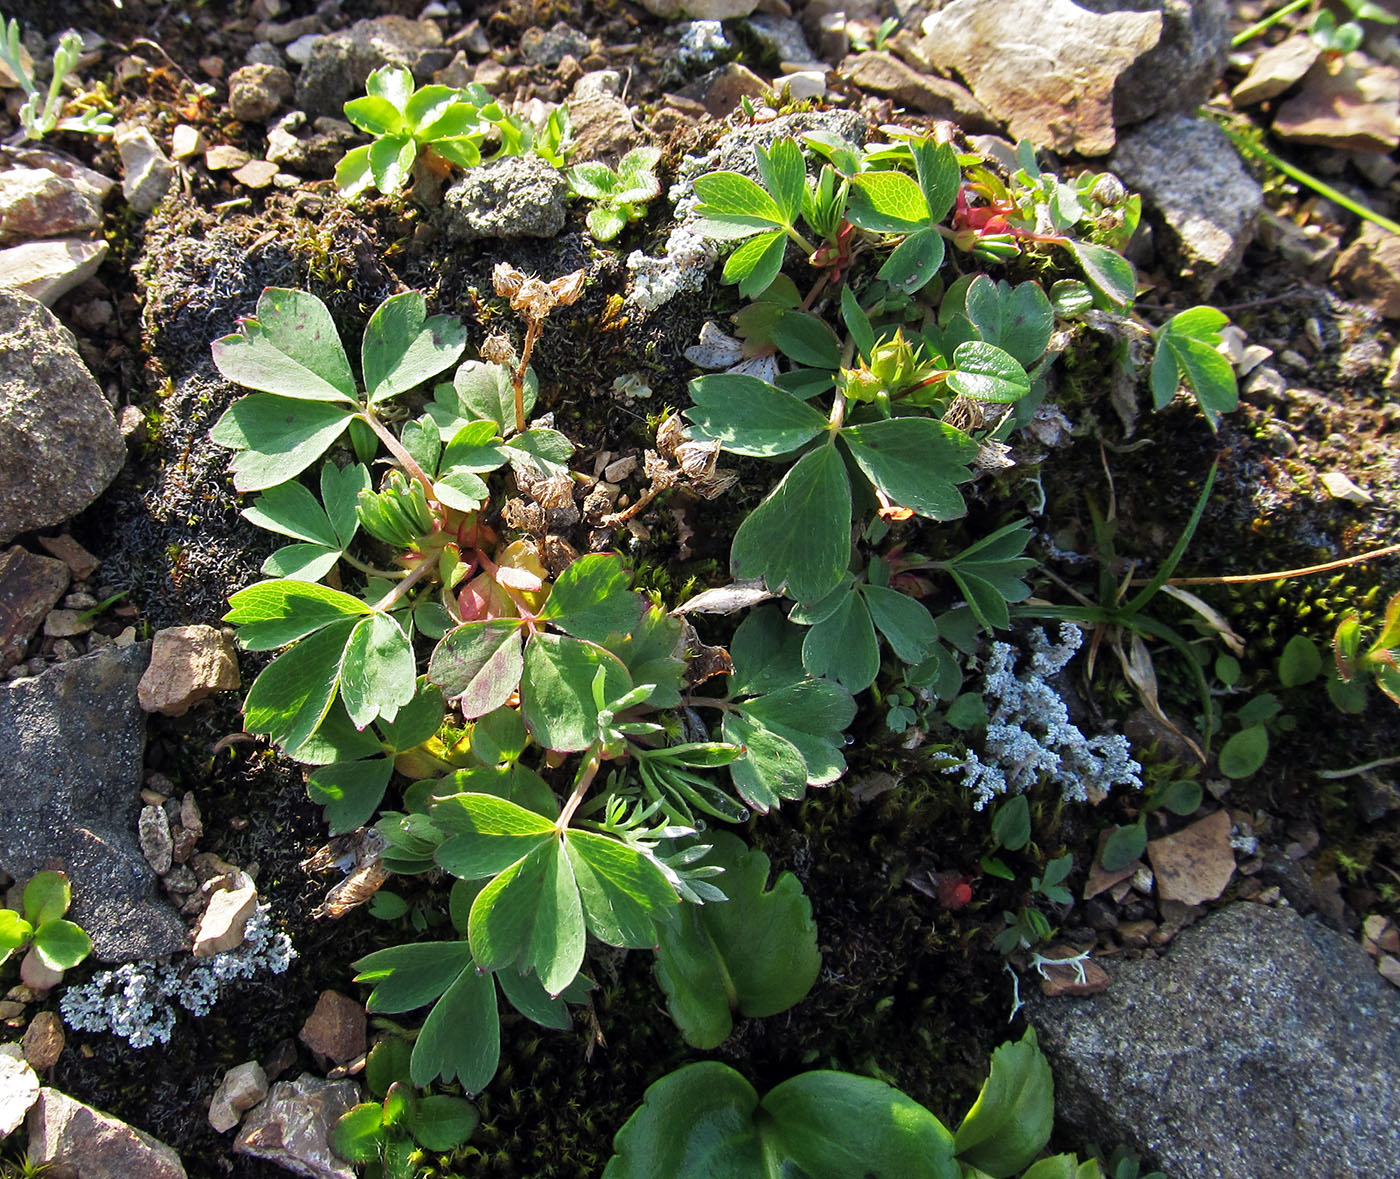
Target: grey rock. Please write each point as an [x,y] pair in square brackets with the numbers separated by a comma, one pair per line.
[723,89]
[1178,73]
[59,443]
[30,585]
[603,128]
[736,152]
[1189,172]
[256,91]
[48,270]
[1276,69]
[64,166]
[242,1088]
[35,202]
[340,62]
[292,1127]
[1263,1044]
[781,37]
[548,47]
[71,745]
[1047,68]
[73,1139]
[146,173]
[519,196]
[265,53]
[19,1089]
[598,84]
[157,844]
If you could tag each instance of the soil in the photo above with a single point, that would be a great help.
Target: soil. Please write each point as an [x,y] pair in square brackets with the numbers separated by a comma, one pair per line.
[911,989]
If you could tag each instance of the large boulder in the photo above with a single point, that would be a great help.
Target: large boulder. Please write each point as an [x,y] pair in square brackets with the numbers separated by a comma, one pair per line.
[1263,1044]
[60,446]
[71,747]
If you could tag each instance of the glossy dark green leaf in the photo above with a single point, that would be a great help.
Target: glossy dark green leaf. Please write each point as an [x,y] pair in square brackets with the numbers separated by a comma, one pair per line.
[556,692]
[907,625]
[461,1038]
[771,769]
[843,646]
[753,955]
[914,262]
[410,976]
[806,339]
[800,536]
[442,1122]
[767,653]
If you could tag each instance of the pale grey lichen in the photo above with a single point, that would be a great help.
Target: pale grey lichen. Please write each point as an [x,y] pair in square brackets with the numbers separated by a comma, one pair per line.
[689,256]
[137,1001]
[701,41]
[1030,736]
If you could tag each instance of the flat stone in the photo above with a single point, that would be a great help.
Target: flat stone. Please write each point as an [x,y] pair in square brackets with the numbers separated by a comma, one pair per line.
[73,1139]
[1046,68]
[242,1088]
[1190,175]
[43,1040]
[292,1127]
[1389,969]
[65,166]
[153,833]
[225,157]
[1353,104]
[723,89]
[30,586]
[224,920]
[336,1028]
[519,196]
[35,202]
[1195,864]
[146,173]
[1276,69]
[59,443]
[185,141]
[257,91]
[65,624]
[48,270]
[603,128]
[71,746]
[548,47]
[19,1089]
[256,174]
[883,73]
[1263,1044]
[1179,72]
[81,563]
[1076,979]
[1369,268]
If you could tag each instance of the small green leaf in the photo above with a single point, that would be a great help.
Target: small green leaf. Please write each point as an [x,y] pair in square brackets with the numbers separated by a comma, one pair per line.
[753,955]
[375,115]
[47,897]
[1192,337]
[1111,274]
[489,834]
[487,391]
[288,701]
[358,1134]
[1070,298]
[479,664]
[1300,663]
[939,177]
[1124,846]
[291,349]
[350,791]
[805,339]
[391,162]
[748,416]
[1011,824]
[274,613]
[771,769]
[378,673]
[1245,752]
[461,1038]
[843,646]
[985,372]
[907,625]
[857,323]
[592,599]
[887,202]
[15,932]
[756,263]
[352,174]
[442,1122]
[276,438]
[402,348]
[784,173]
[625,895]
[730,198]
[407,977]
[1012,1118]
[556,691]
[915,462]
[291,510]
[605,222]
[800,536]
[429,104]
[61,945]
[914,261]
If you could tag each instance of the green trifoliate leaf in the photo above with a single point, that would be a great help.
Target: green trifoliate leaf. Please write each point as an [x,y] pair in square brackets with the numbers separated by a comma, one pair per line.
[732,205]
[812,716]
[1011,1120]
[1018,319]
[403,348]
[1109,273]
[479,664]
[350,791]
[340,491]
[915,462]
[488,834]
[907,625]
[915,261]
[939,177]
[784,173]
[989,573]
[753,955]
[274,613]
[748,416]
[530,915]
[461,1038]
[288,701]
[625,895]
[842,646]
[771,769]
[756,263]
[1186,351]
[275,441]
[291,349]
[800,536]
[805,339]
[556,690]
[46,897]
[887,202]
[378,675]
[593,599]
[460,489]
[291,510]
[985,372]
[767,653]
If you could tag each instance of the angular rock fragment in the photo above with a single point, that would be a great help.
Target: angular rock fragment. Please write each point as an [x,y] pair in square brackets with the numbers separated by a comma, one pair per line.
[292,1127]
[48,270]
[1195,864]
[188,663]
[241,1088]
[71,1138]
[30,586]
[336,1028]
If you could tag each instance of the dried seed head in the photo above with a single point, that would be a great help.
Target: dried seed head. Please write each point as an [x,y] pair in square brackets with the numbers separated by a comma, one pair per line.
[506,278]
[531,296]
[567,288]
[498,349]
[669,435]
